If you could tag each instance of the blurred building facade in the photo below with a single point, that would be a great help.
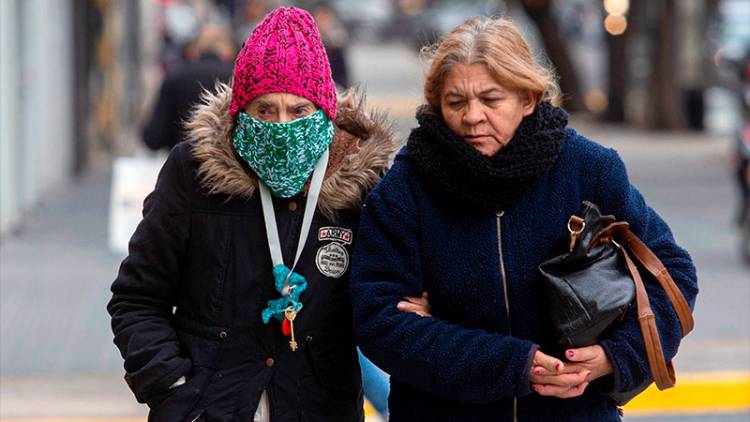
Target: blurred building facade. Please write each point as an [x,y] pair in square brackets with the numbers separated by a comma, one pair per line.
[70,89]
[36,104]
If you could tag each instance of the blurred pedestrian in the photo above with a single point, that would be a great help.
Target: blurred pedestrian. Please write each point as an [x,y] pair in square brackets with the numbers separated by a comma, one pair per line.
[375,383]
[209,60]
[742,152]
[178,27]
[248,15]
[335,40]
[474,203]
[233,303]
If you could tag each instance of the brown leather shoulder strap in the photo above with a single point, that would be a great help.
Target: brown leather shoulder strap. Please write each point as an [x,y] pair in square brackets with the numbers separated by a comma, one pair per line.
[663,373]
[649,261]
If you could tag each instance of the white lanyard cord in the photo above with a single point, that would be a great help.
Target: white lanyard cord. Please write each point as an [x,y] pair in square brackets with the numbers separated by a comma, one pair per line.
[272,231]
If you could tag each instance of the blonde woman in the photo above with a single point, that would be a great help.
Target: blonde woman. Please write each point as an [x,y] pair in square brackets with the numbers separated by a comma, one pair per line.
[474,202]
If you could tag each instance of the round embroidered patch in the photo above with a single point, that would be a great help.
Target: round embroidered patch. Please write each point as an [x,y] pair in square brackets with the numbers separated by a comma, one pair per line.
[332,260]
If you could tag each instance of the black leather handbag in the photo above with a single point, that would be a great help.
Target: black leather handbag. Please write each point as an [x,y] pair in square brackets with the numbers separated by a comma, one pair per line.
[591,287]
[588,288]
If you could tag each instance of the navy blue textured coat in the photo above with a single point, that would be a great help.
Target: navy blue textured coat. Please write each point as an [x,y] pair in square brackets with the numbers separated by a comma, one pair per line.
[470,361]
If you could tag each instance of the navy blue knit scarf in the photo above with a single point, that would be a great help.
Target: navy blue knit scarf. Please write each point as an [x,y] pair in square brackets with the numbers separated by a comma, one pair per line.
[457,170]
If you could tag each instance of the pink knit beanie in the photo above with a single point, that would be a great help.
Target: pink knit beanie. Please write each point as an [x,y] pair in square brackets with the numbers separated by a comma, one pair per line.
[284,54]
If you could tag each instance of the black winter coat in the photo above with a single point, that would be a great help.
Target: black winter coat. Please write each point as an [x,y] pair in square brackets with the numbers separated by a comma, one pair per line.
[180,91]
[188,298]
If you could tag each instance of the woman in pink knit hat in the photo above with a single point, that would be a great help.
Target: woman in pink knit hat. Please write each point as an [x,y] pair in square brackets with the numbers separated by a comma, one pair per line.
[233,303]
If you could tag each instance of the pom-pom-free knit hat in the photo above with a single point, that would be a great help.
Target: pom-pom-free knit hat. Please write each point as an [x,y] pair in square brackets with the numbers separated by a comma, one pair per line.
[284,54]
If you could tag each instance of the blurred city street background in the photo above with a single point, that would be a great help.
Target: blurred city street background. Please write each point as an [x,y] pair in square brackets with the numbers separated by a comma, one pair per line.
[79,79]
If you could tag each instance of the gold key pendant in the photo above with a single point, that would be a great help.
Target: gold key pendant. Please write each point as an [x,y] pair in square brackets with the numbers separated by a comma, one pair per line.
[290,314]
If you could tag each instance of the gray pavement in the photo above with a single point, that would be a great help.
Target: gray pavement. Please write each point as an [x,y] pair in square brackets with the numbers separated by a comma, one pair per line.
[56,270]
[56,354]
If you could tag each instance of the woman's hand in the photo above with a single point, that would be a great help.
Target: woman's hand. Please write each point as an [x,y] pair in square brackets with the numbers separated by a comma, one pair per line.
[564,380]
[551,377]
[590,358]
[417,305]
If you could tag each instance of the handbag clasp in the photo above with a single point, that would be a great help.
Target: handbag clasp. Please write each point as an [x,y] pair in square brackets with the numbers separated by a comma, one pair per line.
[575,227]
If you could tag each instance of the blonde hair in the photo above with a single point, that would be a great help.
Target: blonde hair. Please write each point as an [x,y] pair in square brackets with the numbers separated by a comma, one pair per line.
[498,44]
[214,39]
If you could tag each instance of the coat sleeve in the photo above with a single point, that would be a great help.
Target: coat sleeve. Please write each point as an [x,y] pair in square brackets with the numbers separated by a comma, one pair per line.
[427,353]
[162,128]
[144,292]
[624,344]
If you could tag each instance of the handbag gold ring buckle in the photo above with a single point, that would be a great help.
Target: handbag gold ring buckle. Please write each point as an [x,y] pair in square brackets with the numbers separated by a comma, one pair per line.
[575,227]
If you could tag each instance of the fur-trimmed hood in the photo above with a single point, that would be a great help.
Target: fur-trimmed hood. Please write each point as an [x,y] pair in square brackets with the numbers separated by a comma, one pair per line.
[359,154]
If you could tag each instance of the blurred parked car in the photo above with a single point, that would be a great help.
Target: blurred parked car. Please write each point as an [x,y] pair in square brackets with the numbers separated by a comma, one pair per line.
[364,20]
[734,31]
[424,26]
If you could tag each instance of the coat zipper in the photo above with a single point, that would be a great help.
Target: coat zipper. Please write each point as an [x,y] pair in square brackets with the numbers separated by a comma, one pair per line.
[499,215]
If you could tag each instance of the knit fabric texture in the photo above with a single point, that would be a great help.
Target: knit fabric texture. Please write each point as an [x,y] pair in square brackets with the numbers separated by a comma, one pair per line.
[459,171]
[297,285]
[284,54]
[283,155]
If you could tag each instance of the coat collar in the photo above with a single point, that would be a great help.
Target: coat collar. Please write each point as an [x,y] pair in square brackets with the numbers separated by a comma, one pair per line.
[359,154]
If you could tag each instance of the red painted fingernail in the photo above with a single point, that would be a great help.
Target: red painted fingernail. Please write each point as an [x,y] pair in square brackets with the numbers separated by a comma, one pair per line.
[557,366]
[570,353]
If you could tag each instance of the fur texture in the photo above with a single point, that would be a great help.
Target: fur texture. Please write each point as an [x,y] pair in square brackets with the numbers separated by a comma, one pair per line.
[360,152]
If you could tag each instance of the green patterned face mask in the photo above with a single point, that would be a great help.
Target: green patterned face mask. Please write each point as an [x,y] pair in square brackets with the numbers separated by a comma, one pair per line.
[283,155]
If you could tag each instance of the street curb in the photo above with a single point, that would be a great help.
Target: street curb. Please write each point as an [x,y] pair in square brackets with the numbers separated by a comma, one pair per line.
[370,416]
[696,393]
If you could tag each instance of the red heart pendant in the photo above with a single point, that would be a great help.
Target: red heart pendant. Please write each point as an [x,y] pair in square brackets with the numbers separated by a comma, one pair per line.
[286,327]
